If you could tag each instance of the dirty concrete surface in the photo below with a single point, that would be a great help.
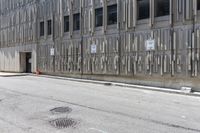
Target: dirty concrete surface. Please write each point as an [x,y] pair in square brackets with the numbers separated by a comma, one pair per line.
[31,104]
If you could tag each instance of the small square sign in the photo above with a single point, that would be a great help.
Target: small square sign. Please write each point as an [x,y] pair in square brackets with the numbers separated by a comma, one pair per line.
[52,51]
[150,45]
[93,49]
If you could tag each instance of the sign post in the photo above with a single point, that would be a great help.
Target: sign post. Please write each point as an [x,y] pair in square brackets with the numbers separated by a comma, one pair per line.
[150,48]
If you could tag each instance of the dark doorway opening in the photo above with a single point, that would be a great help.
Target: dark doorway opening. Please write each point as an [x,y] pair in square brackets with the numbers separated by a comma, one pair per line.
[28,63]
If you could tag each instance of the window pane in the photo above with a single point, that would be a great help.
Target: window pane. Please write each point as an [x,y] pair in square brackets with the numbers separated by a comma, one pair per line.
[162,8]
[99,17]
[143,9]
[66,24]
[198,4]
[76,22]
[112,14]
[49,27]
[41,28]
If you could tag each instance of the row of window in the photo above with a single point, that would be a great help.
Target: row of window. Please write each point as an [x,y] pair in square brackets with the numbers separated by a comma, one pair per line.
[49,28]
[162,8]
[112,19]
[76,22]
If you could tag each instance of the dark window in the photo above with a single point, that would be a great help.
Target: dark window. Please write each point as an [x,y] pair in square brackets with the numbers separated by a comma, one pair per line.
[143,9]
[49,27]
[77,50]
[161,8]
[41,28]
[99,17]
[112,14]
[66,24]
[76,22]
[198,4]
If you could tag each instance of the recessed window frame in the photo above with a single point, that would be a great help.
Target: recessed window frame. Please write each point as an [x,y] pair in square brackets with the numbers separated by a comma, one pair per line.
[161,8]
[143,9]
[198,4]
[99,17]
[66,23]
[76,22]
[49,27]
[41,28]
[112,14]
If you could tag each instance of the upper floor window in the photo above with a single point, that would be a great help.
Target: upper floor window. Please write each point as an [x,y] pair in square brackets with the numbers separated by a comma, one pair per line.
[161,8]
[49,27]
[66,24]
[41,28]
[99,17]
[76,21]
[143,8]
[198,4]
[112,14]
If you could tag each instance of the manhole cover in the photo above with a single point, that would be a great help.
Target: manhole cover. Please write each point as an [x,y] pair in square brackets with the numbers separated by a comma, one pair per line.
[63,123]
[61,110]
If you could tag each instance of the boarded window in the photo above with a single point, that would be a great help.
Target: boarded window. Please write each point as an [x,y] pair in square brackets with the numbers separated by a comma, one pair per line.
[112,14]
[143,8]
[76,21]
[198,4]
[161,8]
[41,28]
[99,17]
[66,24]
[49,27]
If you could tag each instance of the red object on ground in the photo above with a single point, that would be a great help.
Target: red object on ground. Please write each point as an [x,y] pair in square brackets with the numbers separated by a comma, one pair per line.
[38,72]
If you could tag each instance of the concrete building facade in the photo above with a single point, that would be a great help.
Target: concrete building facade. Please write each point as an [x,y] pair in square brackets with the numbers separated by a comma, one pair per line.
[151,42]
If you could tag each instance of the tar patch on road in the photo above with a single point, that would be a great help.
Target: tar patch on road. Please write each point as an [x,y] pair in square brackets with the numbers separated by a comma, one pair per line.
[108,84]
[61,110]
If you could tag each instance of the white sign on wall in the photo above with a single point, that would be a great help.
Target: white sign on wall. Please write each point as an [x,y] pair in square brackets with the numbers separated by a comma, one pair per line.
[150,44]
[52,51]
[93,49]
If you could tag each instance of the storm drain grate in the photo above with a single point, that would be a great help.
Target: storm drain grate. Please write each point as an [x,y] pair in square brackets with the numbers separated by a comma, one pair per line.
[61,110]
[63,123]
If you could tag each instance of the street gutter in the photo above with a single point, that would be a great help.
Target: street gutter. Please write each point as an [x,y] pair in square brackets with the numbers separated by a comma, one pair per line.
[125,85]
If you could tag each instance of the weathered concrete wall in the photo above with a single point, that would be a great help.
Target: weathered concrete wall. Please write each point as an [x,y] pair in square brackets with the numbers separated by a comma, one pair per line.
[17,33]
[10,59]
[121,48]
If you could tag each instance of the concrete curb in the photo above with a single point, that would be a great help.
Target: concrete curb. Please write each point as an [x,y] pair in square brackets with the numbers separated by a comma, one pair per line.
[125,85]
[14,75]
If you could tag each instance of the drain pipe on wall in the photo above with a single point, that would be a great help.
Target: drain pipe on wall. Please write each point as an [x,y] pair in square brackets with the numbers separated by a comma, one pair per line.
[172,36]
[82,30]
[193,48]
[119,40]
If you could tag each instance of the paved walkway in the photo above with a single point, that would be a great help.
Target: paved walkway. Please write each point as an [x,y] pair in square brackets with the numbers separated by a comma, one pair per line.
[7,74]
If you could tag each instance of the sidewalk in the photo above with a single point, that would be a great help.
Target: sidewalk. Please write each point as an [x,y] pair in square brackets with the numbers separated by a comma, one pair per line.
[126,85]
[8,74]
[107,83]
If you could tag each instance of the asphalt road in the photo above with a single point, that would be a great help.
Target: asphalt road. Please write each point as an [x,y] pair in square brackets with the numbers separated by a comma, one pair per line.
[26,105]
